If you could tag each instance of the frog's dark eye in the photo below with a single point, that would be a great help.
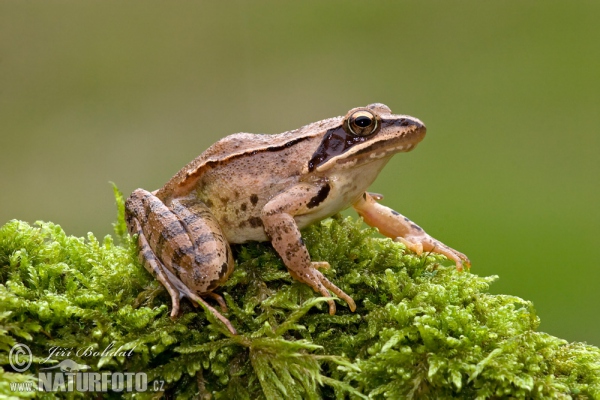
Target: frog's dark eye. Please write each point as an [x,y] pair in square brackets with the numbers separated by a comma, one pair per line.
[361,123]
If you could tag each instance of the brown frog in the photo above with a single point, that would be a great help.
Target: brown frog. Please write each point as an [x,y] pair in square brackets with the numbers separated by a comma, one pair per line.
[249,187]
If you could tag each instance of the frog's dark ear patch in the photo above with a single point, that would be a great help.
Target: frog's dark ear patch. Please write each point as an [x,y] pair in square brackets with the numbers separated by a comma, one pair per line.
[335,142]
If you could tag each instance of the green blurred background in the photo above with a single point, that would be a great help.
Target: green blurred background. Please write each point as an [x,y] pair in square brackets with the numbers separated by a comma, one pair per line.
[99,91]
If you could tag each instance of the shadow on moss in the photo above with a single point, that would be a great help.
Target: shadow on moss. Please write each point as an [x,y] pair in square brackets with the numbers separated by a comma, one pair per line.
[421,330]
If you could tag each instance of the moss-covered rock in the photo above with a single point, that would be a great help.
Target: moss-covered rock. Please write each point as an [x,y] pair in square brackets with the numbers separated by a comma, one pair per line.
[421,330]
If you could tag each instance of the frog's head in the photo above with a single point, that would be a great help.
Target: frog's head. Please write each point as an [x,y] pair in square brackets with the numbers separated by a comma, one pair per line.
[366,134]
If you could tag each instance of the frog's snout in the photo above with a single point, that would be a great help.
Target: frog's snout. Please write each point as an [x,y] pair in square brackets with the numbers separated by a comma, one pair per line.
[412,128]
[415,123]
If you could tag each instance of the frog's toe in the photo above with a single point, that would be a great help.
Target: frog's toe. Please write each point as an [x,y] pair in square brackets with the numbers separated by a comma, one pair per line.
[462,261]
[338,292]
[332,308]
[350,301]
[320,264]
[207,307]
[459,258]
[417,247]
[219,299]
[321,287]
[175,310]
[459,266]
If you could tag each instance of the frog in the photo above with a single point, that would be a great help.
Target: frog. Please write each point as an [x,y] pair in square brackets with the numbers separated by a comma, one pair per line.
[268,187]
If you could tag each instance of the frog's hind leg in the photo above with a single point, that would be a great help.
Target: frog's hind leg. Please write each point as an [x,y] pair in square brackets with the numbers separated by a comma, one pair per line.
[155,267]
[208,251]
[170,252]
[176,289]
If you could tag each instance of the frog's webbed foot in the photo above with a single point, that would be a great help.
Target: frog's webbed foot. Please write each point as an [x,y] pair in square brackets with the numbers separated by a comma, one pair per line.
[396,226]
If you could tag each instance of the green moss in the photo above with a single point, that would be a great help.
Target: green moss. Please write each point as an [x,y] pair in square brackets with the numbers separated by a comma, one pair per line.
[421,330]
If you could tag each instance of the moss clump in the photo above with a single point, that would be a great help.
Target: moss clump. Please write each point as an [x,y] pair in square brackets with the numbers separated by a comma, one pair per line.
[422,330]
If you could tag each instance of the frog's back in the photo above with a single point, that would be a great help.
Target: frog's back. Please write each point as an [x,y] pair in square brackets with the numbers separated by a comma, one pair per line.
[234,148]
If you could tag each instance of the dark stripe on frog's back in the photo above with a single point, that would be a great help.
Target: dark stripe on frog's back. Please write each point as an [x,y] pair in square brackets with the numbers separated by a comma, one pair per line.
[215,163]
[226,150]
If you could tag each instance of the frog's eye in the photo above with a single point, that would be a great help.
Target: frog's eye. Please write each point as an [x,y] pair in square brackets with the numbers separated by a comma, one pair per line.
[362,123]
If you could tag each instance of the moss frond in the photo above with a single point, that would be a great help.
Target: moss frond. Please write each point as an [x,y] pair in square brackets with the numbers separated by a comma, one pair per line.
[421,330]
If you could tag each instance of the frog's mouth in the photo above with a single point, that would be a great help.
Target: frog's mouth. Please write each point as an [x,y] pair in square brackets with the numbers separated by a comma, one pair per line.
[398,134]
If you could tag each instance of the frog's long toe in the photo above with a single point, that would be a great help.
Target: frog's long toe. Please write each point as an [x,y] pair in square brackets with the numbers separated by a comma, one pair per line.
[327,284]
[175,305]
[219,299]
[417,248]
[320,287]
[459,258]
[184,291]
[217,314]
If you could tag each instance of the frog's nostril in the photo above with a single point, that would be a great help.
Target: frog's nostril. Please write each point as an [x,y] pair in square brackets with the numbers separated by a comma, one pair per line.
[412,122]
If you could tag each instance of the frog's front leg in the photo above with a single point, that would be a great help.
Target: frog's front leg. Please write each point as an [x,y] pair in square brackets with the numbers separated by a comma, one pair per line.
[279,224]
[182,246]
[396,226]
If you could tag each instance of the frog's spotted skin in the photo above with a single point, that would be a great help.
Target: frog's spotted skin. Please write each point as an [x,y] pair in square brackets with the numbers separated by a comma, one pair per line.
[267,187]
